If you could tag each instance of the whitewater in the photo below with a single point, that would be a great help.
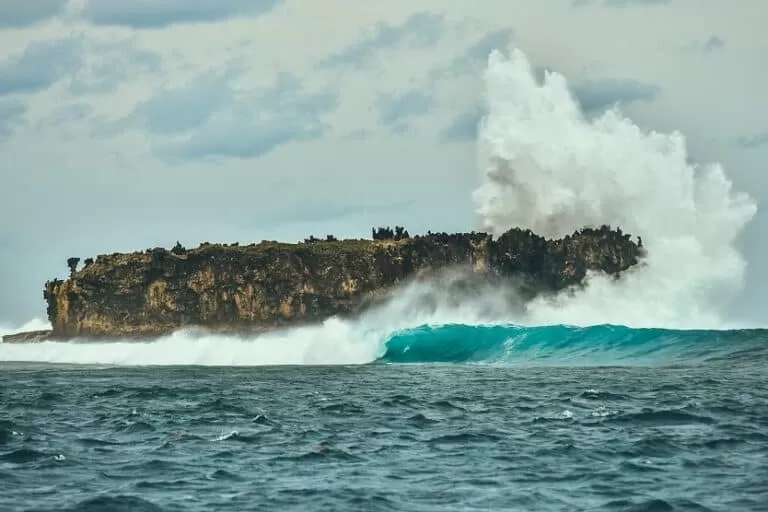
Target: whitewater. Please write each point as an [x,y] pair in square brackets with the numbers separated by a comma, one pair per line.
[546,166]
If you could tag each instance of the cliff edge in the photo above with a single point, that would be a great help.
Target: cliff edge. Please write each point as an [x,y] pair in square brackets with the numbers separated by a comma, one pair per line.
[267,285]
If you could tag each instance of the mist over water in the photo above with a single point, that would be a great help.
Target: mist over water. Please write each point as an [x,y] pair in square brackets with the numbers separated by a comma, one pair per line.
[549,168]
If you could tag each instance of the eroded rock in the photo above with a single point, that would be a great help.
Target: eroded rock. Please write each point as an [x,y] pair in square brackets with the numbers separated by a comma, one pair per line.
[271,284]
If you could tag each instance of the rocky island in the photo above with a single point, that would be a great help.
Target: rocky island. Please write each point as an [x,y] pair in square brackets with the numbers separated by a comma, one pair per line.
[245,288]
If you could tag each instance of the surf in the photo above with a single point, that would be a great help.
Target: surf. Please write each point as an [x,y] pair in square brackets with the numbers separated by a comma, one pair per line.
[347,343]
[567,345]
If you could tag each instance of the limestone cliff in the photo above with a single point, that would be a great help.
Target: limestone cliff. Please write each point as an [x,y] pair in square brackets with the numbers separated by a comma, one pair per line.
[234,287]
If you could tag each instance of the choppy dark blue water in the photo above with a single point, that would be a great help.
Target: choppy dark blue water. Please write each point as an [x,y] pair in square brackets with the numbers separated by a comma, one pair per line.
[564,419]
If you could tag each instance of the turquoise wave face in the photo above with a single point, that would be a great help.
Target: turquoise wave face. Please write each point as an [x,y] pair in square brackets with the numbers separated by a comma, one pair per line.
[559,344]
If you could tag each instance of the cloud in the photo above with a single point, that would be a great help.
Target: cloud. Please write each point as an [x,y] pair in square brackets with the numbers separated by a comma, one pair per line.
[595,96]
[65,115]
[421,30]
[11,114]
[108,64]
[176,110]
[40,65]
[154,14]
[23,13]
[753,141]
[463,127]
[474,56]
[713,43]
[394,109]
[497,39]
[619,3]
[253,126]
[241,136]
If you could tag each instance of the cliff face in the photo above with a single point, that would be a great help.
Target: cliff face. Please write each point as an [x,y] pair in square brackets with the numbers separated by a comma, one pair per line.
[229,287]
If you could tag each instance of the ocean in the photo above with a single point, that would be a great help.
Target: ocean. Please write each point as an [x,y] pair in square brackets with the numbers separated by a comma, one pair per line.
[453,417]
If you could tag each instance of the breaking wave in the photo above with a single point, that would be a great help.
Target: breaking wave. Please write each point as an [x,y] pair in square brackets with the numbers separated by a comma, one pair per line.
[342,343]
[560,344]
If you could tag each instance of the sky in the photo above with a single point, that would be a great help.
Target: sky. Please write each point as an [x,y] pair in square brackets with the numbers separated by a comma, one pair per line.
[129,124]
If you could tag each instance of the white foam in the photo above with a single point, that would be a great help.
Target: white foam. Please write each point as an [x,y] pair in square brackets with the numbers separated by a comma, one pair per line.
[549,168]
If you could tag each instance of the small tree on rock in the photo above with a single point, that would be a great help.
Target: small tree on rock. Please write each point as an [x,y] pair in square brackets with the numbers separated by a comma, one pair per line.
[72,264]
[178,248]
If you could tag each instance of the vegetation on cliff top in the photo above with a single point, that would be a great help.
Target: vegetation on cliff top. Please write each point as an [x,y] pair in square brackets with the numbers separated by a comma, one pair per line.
[381,236]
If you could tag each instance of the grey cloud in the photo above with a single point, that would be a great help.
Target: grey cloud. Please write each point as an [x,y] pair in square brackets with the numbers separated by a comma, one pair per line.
[597,96]
[40,65]
[395,110]
[619,3]
[253,127]
[180,109]
[11,115]
[64,115]
[498,39]
[151,14]
[753,141]
[463,127]
[475,56]
[111,63]
[712,43]
[241,137]
[421,29]
[23,13]
[356,135]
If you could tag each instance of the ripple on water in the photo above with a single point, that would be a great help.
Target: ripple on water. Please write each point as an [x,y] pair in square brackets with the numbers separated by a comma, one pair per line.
[662,417]
[120,503]
[23,455]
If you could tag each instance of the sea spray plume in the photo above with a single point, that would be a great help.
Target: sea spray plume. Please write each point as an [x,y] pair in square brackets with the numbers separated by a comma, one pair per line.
[36,324]
[448,296]
[548,168]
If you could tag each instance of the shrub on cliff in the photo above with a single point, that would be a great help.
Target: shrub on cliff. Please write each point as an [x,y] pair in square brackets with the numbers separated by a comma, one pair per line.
[72,264]
[178,248]
[387,233]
